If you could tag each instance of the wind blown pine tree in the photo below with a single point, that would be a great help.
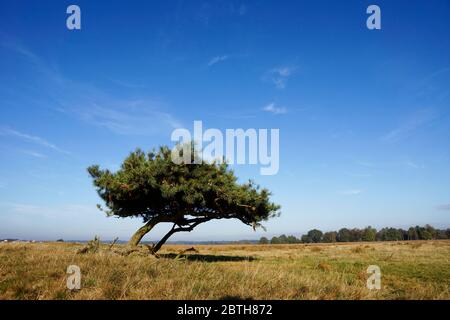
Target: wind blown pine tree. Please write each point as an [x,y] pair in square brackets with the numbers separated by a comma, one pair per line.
[151,186]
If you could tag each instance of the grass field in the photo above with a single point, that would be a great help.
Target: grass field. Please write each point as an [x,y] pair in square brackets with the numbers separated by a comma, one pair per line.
[410,270]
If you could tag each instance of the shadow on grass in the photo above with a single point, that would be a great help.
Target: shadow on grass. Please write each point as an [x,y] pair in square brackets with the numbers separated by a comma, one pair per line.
[205,257]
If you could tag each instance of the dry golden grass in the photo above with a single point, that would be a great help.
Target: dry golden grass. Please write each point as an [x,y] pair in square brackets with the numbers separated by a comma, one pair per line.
[322,271]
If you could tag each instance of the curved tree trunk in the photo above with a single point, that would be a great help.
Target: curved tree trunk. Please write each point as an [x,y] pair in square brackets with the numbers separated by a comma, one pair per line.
[188,228]
[158,246]
[142,231]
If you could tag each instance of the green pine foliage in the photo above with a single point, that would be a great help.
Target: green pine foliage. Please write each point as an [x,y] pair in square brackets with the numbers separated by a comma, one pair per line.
[151,186]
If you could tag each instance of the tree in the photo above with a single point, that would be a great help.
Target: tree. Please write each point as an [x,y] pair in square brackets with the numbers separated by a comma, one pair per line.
[404,234]
[329,237]
[263,240]
[356,235]
[423,233]
[369,234]
[412,234]
[344,235]
[283,239]
[390,234]
[315,235]
[151,186]
[306,239]
[432,231]
[292,239]
[275,240]
[441,234]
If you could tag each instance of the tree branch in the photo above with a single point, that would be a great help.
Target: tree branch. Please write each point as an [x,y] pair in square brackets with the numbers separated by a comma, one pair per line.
[191,227]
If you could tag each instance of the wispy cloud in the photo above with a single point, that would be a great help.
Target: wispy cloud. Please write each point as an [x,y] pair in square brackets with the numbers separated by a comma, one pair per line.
[358,175]
[279,76]
[433,85]
[49,211]
[418,120]
[6,131]
[350,192]
[139,115]
[208,11]
[366,164]
[17,47]
[126,117]
[28,55]
[127,84]
[413,165]
[443,207]
[34,154]
[272,108]
[217,59]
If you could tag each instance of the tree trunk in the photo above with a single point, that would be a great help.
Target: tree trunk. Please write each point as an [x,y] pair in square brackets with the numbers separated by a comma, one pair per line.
[158,246]
[189,228]
[142,231]
[137,237]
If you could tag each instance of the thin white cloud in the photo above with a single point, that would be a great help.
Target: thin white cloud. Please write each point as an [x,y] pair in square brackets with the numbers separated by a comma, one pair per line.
[217,59]
[125,118]
[350,192]
[417,120]
[140,116]
[51,211]
[34,154]
[6,131]
[279,76]
[272,108]
[365,164]
[413,165]
[358,175]
[431,85]
[284,72]
[127,84]
[17,47]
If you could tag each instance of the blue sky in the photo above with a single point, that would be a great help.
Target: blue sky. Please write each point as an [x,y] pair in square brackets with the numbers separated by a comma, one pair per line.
[363,115]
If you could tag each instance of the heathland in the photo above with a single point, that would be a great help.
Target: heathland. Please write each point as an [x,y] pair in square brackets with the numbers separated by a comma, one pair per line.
[409,270]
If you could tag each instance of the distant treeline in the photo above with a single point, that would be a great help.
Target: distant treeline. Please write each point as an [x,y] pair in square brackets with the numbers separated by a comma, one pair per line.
[366,234]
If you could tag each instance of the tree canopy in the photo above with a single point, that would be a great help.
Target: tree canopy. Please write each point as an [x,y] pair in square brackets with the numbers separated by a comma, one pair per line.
[151,186]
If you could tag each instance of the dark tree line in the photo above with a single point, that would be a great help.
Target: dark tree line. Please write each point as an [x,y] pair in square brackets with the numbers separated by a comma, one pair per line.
[367,234]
